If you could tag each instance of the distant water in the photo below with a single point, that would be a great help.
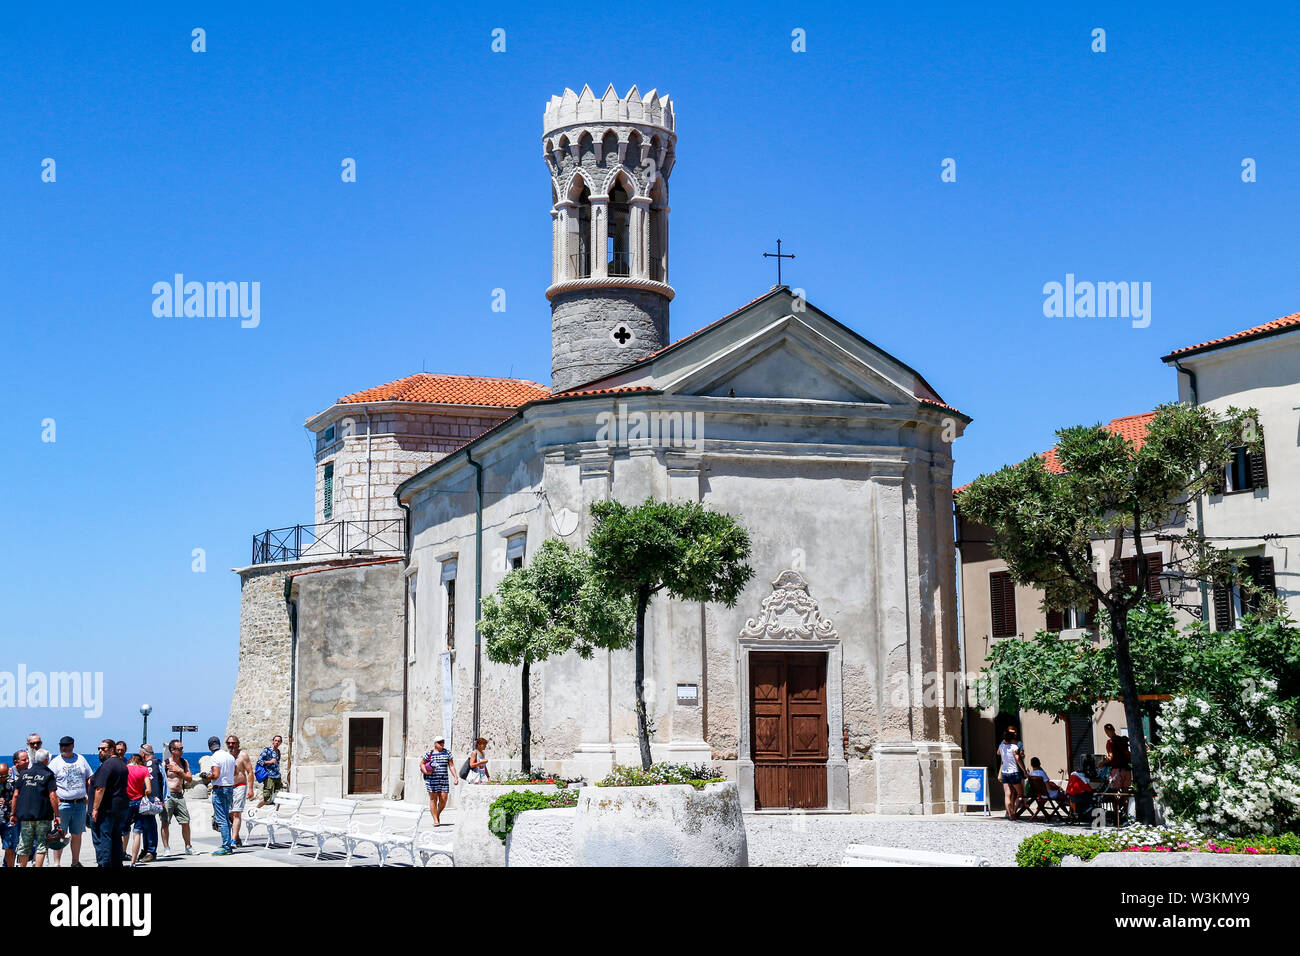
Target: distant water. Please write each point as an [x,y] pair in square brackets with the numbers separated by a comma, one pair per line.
[193,758]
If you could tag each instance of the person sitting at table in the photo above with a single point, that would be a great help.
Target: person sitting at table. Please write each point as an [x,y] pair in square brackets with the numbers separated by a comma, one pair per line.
[1053,791]
[1079,789]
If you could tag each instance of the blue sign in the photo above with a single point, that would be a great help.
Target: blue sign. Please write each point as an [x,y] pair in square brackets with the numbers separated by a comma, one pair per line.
[974,787]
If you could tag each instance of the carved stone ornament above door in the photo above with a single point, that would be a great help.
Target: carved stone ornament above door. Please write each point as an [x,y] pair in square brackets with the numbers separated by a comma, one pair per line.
[789,613]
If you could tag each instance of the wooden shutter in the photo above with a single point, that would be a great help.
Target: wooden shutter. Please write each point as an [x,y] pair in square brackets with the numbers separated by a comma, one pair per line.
[329,491]
[1055,621]
[1222,605]
[1155,564]
[1258,468]
[1219,481]
[1130,572]
[1002,603]
[1264,576]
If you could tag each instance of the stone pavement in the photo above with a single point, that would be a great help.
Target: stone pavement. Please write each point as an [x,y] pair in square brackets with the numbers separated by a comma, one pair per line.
[256,854]
[775,839]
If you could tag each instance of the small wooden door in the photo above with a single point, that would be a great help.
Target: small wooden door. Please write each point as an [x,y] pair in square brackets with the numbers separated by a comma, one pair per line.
[366,755]
[789,729]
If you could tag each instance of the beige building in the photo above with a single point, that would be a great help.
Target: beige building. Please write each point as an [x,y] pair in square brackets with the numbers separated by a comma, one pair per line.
[1257,513]
[995,609]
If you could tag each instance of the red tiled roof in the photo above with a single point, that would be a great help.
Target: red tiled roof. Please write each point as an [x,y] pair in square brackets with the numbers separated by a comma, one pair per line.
[1130,427]
[1285,324]
[441,389]
[621,390]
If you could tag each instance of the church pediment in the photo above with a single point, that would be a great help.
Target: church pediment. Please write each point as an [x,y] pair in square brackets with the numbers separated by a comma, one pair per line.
[789,360]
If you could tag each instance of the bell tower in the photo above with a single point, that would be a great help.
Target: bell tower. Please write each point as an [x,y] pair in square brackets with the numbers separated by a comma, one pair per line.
[610,159]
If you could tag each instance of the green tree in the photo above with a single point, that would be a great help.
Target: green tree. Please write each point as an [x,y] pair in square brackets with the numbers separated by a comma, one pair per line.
[676,546]
[1045,525]
[552,605]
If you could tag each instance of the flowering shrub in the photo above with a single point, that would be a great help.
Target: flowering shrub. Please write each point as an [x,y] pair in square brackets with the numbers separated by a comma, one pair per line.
[504,809]
[534,776]
[1051,846]
[662,774]
[1232,769]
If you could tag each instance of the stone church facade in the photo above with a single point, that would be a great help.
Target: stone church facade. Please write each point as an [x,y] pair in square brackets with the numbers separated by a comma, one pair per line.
[824,686]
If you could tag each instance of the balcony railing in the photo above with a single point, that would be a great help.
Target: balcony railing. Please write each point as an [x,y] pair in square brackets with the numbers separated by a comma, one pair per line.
[330,539]
[620,264]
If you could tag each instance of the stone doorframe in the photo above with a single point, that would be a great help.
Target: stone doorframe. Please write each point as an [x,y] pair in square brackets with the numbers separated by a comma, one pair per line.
[789,620]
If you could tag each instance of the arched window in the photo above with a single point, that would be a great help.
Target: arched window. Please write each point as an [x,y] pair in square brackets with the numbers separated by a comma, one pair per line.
[659,230]
[619,245]
[579,244]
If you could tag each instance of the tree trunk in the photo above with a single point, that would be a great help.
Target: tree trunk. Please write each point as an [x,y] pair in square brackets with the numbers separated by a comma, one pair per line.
[642,731]
[525,732]
[1146,808]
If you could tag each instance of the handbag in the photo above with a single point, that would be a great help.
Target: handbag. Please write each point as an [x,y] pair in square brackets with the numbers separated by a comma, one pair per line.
[464,770]
[260,773]
[150,806]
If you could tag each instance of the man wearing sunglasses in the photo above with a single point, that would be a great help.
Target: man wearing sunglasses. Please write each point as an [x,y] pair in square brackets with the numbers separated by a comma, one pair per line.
[112,805]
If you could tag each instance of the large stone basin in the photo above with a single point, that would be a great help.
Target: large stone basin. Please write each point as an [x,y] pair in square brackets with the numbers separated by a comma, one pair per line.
[660,826]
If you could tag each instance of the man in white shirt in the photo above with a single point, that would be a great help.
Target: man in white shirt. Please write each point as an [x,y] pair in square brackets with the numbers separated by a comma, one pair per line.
[71,775]
[220,778]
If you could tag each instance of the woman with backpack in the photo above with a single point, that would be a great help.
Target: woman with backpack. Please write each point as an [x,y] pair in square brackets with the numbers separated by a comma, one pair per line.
[437,779]
[478,763]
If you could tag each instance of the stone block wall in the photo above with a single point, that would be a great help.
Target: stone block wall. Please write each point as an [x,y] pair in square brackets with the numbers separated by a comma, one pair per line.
[581,325]
[259,707]
[405,441]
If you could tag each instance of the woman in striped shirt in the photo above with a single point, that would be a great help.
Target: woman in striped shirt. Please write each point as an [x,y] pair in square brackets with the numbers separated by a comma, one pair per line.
[437,778]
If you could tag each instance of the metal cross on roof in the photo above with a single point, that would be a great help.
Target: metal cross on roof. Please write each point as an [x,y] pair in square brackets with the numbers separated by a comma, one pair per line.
[778,256]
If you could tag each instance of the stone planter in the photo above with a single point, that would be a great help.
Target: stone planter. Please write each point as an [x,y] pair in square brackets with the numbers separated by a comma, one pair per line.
[541,838]
[660,826]
[473,843]
[1186,859]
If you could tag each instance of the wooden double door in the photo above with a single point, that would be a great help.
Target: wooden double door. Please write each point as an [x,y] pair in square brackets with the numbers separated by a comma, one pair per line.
[789,729]
[366,755]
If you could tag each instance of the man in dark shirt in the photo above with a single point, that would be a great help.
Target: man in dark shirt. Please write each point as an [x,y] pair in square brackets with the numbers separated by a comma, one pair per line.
[110,807]
[8,831]
[35,808]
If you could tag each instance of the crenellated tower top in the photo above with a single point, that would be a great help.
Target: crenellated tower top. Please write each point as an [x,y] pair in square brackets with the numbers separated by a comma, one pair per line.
[610,159]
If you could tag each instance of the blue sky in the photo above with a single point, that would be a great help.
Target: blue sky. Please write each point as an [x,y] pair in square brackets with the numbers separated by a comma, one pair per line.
[177,434]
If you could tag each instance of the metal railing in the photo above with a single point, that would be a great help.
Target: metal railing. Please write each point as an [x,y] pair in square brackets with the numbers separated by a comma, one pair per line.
[620,264]
[330,539]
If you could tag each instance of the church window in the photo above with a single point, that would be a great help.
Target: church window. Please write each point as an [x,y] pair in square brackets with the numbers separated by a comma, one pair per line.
[1002,603]
[515,551]
[449,598]
[619,249]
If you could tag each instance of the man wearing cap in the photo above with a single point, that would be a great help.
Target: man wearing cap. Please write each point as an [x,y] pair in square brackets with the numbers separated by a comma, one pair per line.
[220,778]
[71,775]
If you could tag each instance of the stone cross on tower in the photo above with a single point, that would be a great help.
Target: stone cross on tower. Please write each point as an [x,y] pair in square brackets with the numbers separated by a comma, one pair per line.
[610,159]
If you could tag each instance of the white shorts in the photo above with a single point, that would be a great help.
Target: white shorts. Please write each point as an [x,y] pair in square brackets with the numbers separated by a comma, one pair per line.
[240,796]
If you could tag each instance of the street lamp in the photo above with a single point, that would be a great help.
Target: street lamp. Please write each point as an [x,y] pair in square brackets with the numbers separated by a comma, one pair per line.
[145,711]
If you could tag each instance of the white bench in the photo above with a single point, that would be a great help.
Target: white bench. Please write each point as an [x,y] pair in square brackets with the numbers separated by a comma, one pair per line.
[331,821]
[398,826]
[429,846]
[282,812]
[861,854]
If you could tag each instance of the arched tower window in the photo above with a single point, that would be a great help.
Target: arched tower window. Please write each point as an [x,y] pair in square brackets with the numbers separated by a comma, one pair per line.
[659,230]
[619,244]
[579,240]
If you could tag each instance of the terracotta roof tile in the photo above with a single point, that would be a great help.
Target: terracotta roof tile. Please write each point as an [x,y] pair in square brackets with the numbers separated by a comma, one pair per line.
[1285,323]
[441,389]
[1131,427]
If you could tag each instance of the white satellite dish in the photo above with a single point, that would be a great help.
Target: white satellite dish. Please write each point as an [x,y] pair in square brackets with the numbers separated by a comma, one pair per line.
[564,522]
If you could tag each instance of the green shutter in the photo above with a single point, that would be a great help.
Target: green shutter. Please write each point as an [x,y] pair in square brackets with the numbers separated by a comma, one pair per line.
[329,491]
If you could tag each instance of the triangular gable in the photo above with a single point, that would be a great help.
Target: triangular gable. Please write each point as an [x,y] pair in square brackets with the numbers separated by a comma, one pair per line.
[789,359]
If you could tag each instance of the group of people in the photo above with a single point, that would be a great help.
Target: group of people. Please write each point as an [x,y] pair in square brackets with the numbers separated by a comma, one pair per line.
[438,780]
[47,803]
[1079,788]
